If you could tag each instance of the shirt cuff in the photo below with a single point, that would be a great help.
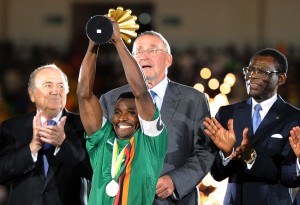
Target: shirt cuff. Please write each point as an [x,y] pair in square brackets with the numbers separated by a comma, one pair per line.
[34,157]
[249,166]
[174,196]
[56,151]
[297,167]
[226,160]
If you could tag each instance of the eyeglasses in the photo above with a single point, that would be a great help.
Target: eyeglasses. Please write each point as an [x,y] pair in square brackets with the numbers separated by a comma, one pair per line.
[259,72]
[150,51]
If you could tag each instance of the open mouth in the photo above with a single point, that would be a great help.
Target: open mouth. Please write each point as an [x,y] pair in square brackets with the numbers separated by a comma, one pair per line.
[124,126]
[145,64]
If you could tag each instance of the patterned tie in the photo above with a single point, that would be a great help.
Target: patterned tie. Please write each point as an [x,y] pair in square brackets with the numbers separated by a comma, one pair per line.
[256,117]
[46,147]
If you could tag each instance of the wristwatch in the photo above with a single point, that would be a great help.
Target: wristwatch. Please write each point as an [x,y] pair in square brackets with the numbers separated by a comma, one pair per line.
[252,157]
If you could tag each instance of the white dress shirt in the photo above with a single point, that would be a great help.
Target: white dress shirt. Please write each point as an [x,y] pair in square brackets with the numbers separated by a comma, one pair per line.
[160,90]
[266,105]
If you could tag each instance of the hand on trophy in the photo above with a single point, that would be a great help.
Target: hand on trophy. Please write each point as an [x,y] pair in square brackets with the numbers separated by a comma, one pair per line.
[116,36]
[99,28]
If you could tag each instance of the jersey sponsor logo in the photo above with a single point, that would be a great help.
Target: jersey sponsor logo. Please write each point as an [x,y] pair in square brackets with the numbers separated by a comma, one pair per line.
[159,125]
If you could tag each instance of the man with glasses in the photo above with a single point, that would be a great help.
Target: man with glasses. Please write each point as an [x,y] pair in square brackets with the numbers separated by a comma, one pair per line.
[183,109]
[252,135]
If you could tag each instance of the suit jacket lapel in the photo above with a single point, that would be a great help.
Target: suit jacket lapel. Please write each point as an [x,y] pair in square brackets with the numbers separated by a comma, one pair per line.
[274,114]
[28,135]
[242,119]
[53,166]
[28,126]
[170,102]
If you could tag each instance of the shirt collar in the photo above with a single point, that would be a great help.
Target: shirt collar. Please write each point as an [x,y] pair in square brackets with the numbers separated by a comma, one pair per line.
[266,105]
[160,88]
[56,119]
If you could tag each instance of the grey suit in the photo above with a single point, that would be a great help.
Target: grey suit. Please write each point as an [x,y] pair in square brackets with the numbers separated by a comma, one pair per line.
[189,154]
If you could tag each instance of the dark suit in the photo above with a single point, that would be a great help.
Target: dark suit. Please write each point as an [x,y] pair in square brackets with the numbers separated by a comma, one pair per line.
[25,178]
[260,184]
[289,175]
[189,157]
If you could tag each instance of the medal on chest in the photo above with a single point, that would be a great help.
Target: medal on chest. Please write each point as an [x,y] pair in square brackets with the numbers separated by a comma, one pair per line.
[112,188]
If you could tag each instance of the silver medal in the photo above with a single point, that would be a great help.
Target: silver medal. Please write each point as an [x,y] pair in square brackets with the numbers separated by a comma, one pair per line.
[112,188]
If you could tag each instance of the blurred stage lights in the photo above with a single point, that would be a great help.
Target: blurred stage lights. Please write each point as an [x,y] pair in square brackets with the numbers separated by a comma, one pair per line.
[213,84]
[230,79]
[205,73]
[225,88]
[144,18]
[199,87]
[221,99]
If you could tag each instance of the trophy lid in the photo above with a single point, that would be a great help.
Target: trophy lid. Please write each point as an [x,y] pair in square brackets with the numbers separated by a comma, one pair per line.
[99,29]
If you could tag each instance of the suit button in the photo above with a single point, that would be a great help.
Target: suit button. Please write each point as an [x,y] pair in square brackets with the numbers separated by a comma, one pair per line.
[45,193]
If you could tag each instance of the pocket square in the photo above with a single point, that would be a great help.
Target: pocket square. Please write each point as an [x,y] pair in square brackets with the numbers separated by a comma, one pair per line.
[279,136]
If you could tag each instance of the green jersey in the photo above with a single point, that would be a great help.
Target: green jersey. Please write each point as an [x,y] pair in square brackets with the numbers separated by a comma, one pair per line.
[140,166]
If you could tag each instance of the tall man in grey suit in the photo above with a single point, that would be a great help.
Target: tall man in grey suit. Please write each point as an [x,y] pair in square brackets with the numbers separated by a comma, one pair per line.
[251,153]
[183,109]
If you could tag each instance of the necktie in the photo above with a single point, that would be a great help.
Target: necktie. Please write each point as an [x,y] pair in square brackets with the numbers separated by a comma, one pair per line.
[46,147]
[256,119]
[153,94]
[155,98]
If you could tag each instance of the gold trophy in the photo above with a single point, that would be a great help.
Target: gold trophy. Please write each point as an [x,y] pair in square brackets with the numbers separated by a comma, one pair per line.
[99,28]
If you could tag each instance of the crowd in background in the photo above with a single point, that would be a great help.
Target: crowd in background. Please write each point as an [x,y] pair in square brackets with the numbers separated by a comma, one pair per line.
[16,63]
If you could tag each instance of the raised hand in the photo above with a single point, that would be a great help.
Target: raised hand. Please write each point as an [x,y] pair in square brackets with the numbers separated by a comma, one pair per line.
[36,144]
[116,33]
[295,140]
[53,134]
[244,151]
[222,138]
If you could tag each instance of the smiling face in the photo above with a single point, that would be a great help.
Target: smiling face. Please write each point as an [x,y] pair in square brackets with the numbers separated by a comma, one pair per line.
[49,91]
[125,120]
[154,65]
[263,89]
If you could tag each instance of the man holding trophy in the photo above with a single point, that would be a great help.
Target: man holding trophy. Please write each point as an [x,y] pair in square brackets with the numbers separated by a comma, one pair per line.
[126,154]
[190,153]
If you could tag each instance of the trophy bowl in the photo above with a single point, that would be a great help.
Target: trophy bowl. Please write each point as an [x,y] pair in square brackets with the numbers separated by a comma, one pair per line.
[99,28]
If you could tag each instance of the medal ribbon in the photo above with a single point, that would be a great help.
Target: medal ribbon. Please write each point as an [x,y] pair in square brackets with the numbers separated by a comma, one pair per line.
[116,159]
[123,179]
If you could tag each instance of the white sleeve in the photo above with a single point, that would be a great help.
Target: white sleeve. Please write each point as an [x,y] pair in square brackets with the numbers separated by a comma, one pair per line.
[151,128]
